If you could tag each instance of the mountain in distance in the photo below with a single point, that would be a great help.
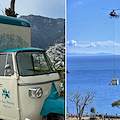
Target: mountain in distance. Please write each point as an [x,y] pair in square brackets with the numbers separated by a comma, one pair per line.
[89,54]
[46,32]
[102,53]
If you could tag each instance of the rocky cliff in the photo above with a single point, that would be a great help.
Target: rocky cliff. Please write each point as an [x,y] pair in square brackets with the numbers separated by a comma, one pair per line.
[46,32]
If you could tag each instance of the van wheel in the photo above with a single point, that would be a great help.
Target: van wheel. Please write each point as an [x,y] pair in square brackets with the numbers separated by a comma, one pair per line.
[54,116]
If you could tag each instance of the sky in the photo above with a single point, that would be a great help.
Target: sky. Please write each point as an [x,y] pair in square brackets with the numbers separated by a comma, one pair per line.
[90,28]
[46,8]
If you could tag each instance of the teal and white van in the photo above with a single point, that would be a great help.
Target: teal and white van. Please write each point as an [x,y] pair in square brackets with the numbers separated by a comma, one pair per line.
[29,84]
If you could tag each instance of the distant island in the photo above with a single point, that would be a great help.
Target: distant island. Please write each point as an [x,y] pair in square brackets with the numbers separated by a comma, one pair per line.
[90,54]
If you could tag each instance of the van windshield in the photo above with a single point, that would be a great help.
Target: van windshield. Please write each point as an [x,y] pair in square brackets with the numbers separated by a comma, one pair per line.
[33,63]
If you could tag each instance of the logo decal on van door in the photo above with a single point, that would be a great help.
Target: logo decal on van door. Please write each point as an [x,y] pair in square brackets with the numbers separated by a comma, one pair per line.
[6,93]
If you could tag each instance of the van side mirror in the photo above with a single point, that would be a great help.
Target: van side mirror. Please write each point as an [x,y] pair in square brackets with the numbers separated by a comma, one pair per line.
[8,68]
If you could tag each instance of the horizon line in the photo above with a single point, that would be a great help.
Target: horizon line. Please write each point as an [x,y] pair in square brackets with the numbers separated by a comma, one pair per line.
[95,53]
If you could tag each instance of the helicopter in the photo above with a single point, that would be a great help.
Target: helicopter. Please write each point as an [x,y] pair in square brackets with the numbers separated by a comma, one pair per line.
[113,13]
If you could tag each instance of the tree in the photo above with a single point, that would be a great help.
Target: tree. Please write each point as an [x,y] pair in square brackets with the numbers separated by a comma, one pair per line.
[81,101]
[116,104]
[75,98]
[92,110]
[11,11]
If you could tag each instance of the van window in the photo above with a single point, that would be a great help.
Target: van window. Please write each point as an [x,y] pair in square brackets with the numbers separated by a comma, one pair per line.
[6,59]
[33,63]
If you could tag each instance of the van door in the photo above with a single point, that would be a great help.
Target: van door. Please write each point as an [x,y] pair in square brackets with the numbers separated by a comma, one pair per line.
[8,88]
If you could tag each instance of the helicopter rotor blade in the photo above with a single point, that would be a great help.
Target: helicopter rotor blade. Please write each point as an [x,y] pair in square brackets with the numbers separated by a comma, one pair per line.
[106,9]
[116,9]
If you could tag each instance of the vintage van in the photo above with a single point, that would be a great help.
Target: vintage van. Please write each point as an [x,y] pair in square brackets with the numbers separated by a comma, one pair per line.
[29,84]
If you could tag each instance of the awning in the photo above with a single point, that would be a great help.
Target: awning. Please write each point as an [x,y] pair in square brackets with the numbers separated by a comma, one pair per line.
[53,103]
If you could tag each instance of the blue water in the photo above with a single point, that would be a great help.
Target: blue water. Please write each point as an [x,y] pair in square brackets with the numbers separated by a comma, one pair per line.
[94,73]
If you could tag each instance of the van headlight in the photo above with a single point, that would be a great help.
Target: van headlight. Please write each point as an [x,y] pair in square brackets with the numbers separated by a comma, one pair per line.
[35,92]
[27,119]
[61,87]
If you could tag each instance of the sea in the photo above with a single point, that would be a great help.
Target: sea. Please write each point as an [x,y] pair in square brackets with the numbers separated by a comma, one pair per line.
[93,73]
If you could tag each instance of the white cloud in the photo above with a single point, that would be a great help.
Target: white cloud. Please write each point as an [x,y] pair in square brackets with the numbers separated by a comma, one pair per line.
[79,3]
[72,43]
[88,44]
[108,43]
[93,47]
